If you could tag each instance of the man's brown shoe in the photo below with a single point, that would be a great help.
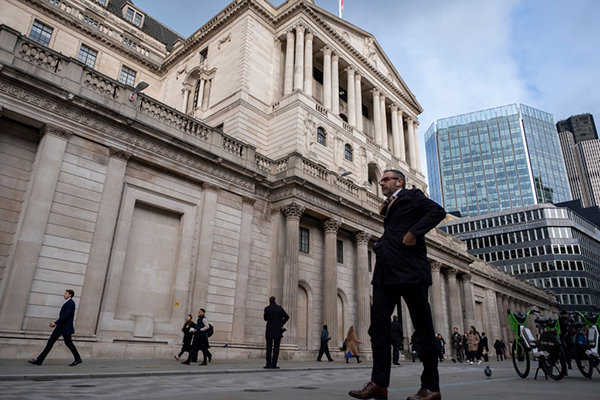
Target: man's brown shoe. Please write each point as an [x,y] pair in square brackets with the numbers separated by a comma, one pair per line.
[370,391]
[424,394]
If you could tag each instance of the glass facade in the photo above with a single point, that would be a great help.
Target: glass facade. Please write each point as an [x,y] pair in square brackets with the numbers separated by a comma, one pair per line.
[496,159]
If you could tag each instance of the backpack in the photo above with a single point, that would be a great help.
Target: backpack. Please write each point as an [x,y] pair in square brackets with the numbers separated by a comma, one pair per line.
[210,330]
[345,344]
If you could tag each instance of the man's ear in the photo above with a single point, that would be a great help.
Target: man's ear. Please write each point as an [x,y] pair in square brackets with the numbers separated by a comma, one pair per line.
[397,183]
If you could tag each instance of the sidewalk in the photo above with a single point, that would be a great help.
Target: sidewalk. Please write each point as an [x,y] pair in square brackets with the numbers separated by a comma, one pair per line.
[53,369]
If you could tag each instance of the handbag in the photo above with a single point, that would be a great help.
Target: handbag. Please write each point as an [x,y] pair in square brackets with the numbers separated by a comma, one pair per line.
[345,344]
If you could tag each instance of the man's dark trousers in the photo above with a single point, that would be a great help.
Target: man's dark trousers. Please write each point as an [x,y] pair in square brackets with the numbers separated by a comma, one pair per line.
[396,354]
[324,350]
[385,298]
[273,351]
[50,344]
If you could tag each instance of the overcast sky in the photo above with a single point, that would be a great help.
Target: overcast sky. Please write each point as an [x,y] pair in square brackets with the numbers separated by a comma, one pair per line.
[459,56]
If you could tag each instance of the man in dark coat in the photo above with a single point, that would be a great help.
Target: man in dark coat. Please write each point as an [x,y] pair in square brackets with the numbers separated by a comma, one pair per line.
[324,349]
[200,341]
[396,338]
[402,270]
[63,326]
[276,317]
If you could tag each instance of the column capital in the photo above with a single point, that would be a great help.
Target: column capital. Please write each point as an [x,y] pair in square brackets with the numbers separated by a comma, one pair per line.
[118,153]
[300,26]
[309,34]
[375,92]
[293,210]
[290,34]
[210,187]
[326,50]
[331,225]
[57,131]
[393,107]
[357,76]
[466,277]
[451,271]
[362,237]
[335,56]
[248,200]
[436,266]
[350,70]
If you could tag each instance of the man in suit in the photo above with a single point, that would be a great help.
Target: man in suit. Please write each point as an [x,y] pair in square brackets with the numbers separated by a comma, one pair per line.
[396,337]
[63,326]
[402,270]
[276,317]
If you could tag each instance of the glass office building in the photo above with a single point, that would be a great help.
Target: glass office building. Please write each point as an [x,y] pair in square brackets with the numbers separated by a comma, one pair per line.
[494,160]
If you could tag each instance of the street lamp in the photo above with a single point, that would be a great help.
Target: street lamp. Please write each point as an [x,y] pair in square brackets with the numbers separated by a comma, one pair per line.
[140,86]
[342,175]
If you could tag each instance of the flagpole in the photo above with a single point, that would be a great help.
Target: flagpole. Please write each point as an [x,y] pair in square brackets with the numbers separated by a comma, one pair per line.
[341,7]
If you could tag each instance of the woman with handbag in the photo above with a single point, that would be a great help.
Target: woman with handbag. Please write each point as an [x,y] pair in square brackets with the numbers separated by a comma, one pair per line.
[189,327]
[352,346]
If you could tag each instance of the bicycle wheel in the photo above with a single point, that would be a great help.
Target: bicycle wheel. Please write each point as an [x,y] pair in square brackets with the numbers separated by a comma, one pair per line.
[585,363]
[555,365]
[520,357]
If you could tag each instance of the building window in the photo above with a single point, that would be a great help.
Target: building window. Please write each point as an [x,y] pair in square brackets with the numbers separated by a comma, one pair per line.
[203,55]
[348,152]
[101,2]
[321,136]
[340,252]
[41,33]
[304,239]
[127,76]
[87,56]
[133,16]
[137,20]
[129,14]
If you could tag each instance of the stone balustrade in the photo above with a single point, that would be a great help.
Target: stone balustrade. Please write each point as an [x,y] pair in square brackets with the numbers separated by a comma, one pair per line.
[102,84]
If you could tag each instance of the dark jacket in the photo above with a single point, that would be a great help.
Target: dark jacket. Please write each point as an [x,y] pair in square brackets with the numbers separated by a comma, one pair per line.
[396,262]
[64,323]
[187,335]
[396,333]
[276,317]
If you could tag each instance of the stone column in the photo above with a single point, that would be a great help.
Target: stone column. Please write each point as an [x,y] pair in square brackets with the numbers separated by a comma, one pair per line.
[243,267]
[335,85]
[455,310]
[326,77]
[436,296]
[308,64]
[299,64]
[469,300]
[351,97]
[207,231]
[377,116]
[186,96]
[277,43]
[384,135]
[36,210]
[395,132]
[362,288]
[417,152]
[292,213]
[402,151]
[330,311]
[97,267]
[289,64]
[201,93]
[503,317]
[358,101]
[412,148]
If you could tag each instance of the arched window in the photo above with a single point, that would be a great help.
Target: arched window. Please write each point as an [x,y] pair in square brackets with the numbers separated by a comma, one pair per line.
[348,152]
[321,136]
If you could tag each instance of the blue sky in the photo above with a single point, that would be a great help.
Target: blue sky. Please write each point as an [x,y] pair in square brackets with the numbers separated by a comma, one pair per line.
[459,56]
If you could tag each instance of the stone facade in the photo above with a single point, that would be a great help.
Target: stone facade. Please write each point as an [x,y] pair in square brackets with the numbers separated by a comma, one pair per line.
[137,203]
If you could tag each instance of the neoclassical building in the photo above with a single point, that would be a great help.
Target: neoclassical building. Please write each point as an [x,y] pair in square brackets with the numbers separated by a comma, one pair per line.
[248,167]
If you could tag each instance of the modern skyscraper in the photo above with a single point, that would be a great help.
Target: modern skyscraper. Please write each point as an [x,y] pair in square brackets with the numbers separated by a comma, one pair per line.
[494,160]
[582,126]
[582,161]
[550,247]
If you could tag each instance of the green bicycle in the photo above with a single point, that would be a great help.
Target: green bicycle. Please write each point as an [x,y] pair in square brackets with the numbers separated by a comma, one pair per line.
[547,350]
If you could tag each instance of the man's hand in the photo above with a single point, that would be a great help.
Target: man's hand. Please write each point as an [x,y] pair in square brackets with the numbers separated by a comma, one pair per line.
[52,324]
[409,239]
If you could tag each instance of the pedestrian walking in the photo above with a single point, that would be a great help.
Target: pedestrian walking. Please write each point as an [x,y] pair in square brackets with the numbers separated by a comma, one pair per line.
[200,341]
[473,344]
[442,346]
[276,318]
[324,349]
[415,347]
[402,270]
[189,327]
[63,326]
[456,342]
[498,350]
[352,346]
[396,338]
[485,350]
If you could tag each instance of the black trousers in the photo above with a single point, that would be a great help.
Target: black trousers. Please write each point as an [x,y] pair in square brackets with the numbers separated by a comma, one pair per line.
[50,344]
[273,351]
[324,349]
[200,344]
[396,354]
[385,299]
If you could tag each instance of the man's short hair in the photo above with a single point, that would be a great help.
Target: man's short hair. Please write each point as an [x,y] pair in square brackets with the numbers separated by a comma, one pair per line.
[397,174]
[71,292]
[395,318]
[202,309]
[272,299]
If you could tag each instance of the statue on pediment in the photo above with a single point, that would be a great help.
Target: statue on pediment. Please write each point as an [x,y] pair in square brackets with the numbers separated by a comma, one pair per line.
[370,51]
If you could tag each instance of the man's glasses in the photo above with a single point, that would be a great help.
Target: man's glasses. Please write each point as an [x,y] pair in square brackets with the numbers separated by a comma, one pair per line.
[383,180]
